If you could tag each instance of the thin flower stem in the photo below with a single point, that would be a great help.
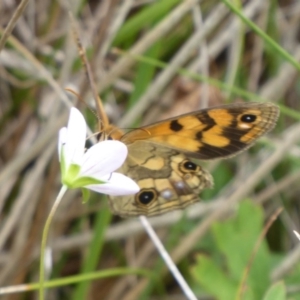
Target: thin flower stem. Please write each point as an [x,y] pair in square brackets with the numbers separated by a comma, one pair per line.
[44,241]
[297,234]
[168,260]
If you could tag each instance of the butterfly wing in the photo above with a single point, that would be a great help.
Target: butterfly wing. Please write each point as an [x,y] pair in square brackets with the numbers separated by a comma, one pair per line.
[211,133]
[167,178]
[159,154]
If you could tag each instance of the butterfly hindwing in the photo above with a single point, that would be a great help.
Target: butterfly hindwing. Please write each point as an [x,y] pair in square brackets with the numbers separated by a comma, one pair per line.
[167,178]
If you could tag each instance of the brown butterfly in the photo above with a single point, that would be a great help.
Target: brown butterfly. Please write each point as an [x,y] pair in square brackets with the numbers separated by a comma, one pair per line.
[161,155]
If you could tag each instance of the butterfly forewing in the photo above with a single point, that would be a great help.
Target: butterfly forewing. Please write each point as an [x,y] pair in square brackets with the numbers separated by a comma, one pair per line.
[211,133]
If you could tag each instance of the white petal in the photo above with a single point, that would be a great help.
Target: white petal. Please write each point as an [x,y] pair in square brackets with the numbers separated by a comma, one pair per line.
[103,158]
[62,138]
[117,185]
[76,136]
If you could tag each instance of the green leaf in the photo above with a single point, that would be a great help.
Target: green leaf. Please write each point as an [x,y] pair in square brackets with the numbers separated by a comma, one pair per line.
[144,75]
[143,19]
[208,274]
[276,292]
[236,239]
[85,195]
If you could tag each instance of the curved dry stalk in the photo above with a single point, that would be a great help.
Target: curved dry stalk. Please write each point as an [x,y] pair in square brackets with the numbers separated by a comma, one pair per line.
[203,66]
[112,31]
[10,26]
[276,87]
[20,161]
[25,195]
[178,60]
[256,67]
[144,43]
[223,38]
[281,185]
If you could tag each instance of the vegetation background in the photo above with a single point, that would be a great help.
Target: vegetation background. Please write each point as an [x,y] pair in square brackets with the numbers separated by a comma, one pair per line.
[151,60]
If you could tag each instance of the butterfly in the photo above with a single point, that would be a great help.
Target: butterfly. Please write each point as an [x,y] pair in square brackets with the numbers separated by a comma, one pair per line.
[161,156]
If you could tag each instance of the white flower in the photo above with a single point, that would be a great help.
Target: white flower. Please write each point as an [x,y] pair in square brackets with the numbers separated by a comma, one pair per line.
[93,169]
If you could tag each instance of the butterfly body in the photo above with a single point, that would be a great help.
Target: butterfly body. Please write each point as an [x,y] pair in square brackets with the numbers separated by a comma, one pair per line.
[161,155]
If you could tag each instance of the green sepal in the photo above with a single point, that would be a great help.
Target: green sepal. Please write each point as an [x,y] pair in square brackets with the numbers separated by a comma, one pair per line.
[84,181]
[85,195]
[69,175]
[73,170]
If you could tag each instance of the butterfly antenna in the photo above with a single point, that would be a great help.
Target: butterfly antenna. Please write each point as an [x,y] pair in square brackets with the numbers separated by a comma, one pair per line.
[82,100]
[103,122]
